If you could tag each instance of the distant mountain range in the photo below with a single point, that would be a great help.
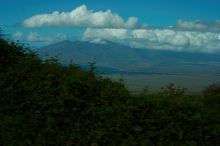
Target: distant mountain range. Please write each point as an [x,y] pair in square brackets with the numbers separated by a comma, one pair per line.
[113,58]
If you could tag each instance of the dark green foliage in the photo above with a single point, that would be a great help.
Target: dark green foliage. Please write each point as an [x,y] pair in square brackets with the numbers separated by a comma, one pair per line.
[11,53]
[45,103]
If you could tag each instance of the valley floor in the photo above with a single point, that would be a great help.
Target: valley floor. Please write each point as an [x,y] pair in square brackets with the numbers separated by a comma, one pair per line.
[154,82]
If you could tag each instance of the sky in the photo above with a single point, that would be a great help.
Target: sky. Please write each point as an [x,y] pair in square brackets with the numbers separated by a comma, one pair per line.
[177,25]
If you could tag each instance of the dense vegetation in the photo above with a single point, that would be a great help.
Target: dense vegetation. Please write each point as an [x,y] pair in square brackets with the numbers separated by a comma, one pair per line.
[43,103]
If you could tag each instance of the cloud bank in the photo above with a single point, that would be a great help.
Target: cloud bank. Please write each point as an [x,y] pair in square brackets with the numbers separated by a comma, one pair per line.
[80,17]
[35,37]
[39,39]
[198,26]
[161,39]
[188,36]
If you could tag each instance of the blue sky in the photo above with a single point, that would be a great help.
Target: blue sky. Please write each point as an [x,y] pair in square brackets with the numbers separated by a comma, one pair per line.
[177,20]
[155,12]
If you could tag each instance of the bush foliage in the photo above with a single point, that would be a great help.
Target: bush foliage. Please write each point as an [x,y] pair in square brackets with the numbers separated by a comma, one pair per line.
[43,103]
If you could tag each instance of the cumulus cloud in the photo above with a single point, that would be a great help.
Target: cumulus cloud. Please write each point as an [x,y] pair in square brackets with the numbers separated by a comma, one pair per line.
[195,36]
[198,25]
[162,39]
[80,17]
[189,36]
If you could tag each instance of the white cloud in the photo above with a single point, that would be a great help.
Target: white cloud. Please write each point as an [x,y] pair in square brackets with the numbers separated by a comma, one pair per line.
[35,37]
[198,25]
[194,25]
[80,17]
[17,35]
[98,41]
[163,39]
[190,36]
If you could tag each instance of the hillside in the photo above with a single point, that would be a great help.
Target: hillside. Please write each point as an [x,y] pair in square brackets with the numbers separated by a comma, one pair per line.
[127,59]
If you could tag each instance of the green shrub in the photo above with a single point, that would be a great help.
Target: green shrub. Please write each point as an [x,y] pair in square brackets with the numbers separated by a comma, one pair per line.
[46,103]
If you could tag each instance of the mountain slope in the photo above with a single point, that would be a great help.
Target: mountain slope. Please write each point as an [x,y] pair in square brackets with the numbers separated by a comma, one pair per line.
[108,55]
[124,58]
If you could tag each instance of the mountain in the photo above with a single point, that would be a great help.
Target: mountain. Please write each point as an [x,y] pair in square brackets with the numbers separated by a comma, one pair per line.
[105,55]
[120,58]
